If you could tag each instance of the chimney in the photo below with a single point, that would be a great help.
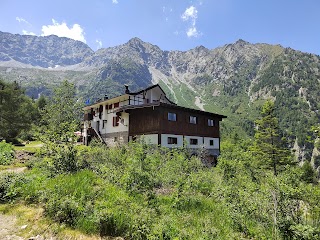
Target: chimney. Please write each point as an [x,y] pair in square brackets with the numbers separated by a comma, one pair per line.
[127,89]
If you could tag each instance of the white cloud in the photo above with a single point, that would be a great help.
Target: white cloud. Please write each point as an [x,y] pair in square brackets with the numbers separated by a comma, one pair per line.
[115,1]
[21,20]
[192,32]
[62,30]
[25,32]
[191,14]
[99,43]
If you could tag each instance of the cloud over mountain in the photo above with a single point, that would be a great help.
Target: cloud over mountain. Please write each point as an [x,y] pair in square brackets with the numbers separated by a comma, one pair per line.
[75,32]
[191,14]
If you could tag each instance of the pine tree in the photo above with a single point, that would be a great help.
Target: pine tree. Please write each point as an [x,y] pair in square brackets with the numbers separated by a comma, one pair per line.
[16,110]
[268,146]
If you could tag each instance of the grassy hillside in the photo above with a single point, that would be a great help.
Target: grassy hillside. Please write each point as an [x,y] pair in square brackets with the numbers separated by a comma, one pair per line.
[141,192]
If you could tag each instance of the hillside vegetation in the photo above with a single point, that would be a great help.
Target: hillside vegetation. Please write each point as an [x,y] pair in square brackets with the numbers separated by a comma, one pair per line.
[139,191]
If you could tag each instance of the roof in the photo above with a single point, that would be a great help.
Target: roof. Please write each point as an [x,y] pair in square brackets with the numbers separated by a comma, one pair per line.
[193,110]
[166,105]
[96,104]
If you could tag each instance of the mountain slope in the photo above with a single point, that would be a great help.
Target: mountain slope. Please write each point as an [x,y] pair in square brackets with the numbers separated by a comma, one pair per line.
[45,52]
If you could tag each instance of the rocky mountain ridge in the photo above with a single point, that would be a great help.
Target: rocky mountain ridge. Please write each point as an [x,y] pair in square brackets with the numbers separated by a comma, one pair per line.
[49,51]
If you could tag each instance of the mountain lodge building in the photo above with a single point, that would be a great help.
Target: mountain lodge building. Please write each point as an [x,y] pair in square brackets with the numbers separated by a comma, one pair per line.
[149,115]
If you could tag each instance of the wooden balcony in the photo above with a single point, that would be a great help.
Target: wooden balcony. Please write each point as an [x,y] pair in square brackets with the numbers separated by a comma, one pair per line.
[88,117]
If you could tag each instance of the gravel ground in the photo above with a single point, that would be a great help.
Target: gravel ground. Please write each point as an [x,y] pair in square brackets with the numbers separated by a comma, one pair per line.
[8,228]
[15,170]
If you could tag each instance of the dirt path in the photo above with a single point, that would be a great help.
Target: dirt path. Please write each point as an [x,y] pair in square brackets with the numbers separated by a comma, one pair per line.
[15,170]
[8,228]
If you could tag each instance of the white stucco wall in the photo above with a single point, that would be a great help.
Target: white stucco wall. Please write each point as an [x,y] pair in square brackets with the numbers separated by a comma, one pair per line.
[216,143]
[164,140]
[149,138]
[187,141]
[109,128]
[152,95]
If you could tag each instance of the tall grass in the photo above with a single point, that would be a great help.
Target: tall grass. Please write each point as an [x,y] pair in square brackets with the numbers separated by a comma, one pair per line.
[141,192]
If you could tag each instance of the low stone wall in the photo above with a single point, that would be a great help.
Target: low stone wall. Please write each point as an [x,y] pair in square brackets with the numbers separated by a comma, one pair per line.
[117,138]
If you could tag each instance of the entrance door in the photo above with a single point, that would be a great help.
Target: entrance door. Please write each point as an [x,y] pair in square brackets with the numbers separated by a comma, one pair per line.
[98,126]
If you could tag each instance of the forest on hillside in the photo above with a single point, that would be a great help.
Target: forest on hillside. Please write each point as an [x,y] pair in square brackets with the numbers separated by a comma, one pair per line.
[137,191]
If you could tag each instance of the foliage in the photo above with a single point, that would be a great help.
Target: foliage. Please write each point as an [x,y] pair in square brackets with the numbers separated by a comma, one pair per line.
[17,110]
[6,153]
[308,173]
[142,192]
[41,102]
[265,206]
[267,145]
[61,115]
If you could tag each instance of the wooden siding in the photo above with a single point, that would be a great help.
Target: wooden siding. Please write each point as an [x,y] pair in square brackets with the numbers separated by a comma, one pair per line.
[144,121]
[183,126]
[155,120]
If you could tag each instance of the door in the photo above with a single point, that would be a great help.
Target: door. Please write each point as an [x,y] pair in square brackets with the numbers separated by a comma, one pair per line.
[98,126]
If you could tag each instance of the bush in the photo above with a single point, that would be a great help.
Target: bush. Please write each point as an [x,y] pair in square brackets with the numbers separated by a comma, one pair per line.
[11,185]
[6,153]
[140,192]
[308,173]
[69,199]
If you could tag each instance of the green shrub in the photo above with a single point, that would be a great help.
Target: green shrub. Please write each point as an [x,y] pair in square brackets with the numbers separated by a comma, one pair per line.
[11,185]
[141,192]
[69,198]
[308,173]
[6,153]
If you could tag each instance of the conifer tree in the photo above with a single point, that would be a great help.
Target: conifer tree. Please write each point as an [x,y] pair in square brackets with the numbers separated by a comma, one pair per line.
[268,146]
[16,110]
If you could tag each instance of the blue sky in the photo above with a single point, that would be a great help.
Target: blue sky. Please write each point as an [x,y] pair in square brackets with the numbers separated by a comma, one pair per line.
[170,24]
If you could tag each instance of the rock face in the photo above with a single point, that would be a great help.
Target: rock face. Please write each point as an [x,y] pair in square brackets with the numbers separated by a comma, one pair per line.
[233,79]
[45,52]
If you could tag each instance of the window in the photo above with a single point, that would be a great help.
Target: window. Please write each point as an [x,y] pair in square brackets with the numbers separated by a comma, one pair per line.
[116,105]
[104,123]
[193,120]
[211,143]
[115,121]
[172,140]
[115,139]
[211,122]
[193,141]
[172,116]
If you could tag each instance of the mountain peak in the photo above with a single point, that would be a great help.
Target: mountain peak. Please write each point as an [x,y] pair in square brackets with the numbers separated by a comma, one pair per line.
[135,41]
[241,42]
[201,48]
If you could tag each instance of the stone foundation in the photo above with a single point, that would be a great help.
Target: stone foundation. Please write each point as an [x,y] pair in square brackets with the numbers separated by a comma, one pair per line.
[115,139]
